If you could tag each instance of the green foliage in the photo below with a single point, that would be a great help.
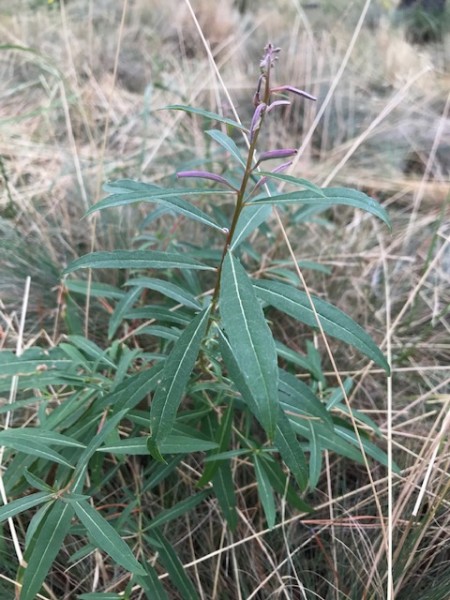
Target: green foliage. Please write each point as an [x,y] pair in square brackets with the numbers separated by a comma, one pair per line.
[210,361]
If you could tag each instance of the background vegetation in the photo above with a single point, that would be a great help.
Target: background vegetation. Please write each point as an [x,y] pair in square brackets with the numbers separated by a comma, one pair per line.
[81,83]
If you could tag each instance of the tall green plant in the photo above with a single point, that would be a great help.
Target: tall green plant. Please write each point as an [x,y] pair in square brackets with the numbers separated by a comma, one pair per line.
[211,367]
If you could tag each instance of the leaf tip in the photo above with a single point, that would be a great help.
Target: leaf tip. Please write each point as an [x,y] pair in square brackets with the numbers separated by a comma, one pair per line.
[154,451]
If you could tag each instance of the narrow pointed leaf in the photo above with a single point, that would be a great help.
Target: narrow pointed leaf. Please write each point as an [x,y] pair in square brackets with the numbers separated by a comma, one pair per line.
[32,361]
[222,436]
[106,537]
[177,370]
[183,444]
[294,180]
[42,436]
[135,259]
[131,192]
[174,567]
[174,444]
[290,450]
[30,446]
[94,290]
[17,506]
[226,142]
[160,331]
[223,487]
[295,303]
[91,349]
[330,197]
[171,290]
[278,481]
[207,114]
[46,546]
[297,359]
[133,389]
[315,457]
[265,491]
[151,585]
[370,448]
[250,339]
[100,596]
[249,220]
[37,482]
[121,309]
[236,375]
[182,507]
[297,394]
[91,448]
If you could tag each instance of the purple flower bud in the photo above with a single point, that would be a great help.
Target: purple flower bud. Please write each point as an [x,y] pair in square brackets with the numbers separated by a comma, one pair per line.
[281,153]
[206,175]
[256,119]
[278,103]
[294,90]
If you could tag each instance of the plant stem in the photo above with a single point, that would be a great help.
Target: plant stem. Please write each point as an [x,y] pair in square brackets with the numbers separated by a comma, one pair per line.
[240,200]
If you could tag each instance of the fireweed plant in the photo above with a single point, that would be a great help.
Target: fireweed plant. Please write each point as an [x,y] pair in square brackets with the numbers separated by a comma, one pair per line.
[218,381]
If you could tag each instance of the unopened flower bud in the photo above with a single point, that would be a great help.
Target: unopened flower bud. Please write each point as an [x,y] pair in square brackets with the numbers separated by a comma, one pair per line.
[281,153]
[294,90]
[206,175]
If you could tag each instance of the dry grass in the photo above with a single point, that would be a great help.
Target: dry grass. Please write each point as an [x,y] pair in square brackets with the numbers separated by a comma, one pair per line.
[79,92]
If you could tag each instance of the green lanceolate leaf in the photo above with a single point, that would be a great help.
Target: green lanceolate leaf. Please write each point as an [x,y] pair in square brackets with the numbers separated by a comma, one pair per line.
[166,288]
[32,361]
[265,491]
[91,448]
[174,567]
[226,142]
[128,191]
[183,444]
[182,507]
[290,450]
[315,457]
[297,394]
[121,309]
[134,389]
[175,375]
[99,596]
[207,114]
[223,486]
[249,220]
[223,435]
[93,289]
[17,506]
[279,482]
[329,197]
[151,584]
[31,446]
[135,259]
[347,434]
[173,444]
[106,537]
[91,350]
[295,181]
[250,339]
[297,359]
[236,375]
[36,434]
[334,322]
[45,547]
